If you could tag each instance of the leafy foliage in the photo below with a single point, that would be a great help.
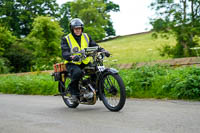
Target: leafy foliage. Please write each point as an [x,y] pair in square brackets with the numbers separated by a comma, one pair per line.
[45,38]
[180,18]
[34,84]
[18,15]
[110,6]
[20,58]
[65,12]
[94,14]
[4,67]
[184,84]
[6,39]
[144,82]
[139,81]
[162,82]
[36,41]
[109,29]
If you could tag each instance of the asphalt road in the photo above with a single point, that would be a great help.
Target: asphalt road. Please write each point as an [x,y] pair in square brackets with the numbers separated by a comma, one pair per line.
[48,114]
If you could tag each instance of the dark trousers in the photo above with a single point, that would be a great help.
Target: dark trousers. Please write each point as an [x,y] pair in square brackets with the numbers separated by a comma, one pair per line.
[76,75]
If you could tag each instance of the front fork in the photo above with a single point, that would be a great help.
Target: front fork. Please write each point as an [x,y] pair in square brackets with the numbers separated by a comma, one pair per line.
[100,78]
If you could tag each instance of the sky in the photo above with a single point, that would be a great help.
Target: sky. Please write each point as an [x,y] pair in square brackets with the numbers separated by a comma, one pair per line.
[133,16]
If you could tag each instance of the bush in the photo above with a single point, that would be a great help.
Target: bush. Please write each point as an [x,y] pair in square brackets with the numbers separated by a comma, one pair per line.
[139,81]
[6,39]
[45,38]
[184,84]
[144,82]
[162,82]
[20,58]
[35,84]
[4,65]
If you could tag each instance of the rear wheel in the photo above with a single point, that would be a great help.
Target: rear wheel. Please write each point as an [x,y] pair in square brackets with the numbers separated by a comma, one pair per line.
[66,95]
[113,92]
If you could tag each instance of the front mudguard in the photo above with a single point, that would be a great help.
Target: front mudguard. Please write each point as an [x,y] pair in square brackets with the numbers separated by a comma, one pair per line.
[105,71]
[111,70]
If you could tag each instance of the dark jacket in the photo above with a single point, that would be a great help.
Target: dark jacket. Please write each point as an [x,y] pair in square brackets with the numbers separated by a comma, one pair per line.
[66,49]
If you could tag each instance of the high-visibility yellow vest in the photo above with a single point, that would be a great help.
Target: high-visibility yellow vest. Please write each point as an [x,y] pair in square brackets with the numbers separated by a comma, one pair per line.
[73,43]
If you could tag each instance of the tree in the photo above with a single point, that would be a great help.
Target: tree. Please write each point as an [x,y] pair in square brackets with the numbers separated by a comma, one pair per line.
[110,6]
[6,41]
[94,13]
[3,67]
[110,31]
[45,37]
[180,18]
[18,15]
[20,58]
[13,56]
[65,12]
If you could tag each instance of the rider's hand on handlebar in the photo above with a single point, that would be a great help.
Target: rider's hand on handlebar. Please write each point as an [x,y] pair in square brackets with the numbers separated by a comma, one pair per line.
[107,54]
[75,58]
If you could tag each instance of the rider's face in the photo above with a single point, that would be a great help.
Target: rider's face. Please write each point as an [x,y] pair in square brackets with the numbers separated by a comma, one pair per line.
[78,31]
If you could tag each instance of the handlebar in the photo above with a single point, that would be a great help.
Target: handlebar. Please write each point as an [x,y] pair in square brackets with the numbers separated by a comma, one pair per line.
[91,52]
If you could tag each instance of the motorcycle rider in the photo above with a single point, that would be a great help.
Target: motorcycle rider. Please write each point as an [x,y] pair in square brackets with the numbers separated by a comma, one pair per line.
[76,40]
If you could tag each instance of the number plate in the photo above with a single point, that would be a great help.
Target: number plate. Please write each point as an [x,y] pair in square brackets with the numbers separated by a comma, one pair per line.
[101,68]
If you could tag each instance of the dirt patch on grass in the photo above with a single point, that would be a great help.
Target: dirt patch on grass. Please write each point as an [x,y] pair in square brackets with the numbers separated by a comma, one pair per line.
[28,73]
[171,62]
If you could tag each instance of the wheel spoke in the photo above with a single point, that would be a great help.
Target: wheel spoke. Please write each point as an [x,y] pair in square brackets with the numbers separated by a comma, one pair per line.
[107,86]
[109,81]
[111,90]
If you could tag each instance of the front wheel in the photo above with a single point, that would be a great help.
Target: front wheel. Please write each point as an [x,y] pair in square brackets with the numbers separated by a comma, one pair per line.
[113,92]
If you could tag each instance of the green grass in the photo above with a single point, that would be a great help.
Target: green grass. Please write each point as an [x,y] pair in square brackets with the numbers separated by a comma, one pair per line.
[162,82]
[145,82]
[136,48]
[35,84]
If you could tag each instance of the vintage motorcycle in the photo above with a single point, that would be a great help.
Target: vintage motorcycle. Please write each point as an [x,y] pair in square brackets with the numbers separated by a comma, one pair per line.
[98,82]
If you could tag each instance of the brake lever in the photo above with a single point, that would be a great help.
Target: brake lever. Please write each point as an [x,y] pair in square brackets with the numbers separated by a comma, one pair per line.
[103,53]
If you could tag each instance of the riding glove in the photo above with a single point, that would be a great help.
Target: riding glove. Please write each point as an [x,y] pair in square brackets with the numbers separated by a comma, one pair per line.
[76,58]
[107,54]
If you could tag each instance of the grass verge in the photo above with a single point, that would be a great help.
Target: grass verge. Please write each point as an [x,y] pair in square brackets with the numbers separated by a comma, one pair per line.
[35,84]
[144,82]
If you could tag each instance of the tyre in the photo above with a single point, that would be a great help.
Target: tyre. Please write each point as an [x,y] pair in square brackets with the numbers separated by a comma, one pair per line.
[66,95]
[113,92]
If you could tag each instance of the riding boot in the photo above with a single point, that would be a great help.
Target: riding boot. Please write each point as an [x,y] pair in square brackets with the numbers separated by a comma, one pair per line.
[73,87]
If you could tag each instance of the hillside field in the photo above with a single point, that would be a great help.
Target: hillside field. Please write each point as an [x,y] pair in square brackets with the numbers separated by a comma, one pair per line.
[135,48]
[142,82]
